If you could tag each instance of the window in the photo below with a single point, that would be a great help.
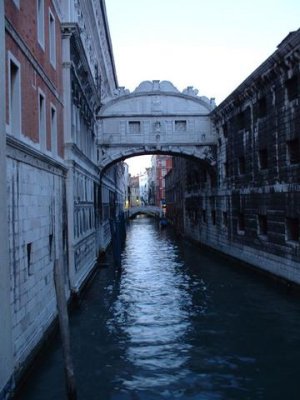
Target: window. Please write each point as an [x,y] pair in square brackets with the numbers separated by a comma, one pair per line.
[226,169]
[225,219]
[29,259]
[52,39]
[51,246]
[134,127]
[225,130]
[53,127]
[240,120]
[262,225]
[180,126]
[40,23]
[293,151]
[213,217]
[14,105]
[204,216]
[292,229]
[241,224]
[42,120]
[262,107]
[292,88]
[263,158]
[241,165]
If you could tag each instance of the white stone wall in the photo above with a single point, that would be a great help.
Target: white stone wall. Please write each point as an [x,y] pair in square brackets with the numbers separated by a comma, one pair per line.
[35,217]
[6,357]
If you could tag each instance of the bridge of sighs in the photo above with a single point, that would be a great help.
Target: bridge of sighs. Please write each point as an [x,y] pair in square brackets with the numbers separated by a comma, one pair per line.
[156,118]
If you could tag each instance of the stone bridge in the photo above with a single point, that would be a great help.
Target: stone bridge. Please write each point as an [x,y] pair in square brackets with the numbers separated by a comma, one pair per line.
[149,210]
[156,119]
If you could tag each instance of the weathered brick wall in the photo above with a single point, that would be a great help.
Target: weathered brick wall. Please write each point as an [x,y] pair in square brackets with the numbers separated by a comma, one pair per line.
[36,70]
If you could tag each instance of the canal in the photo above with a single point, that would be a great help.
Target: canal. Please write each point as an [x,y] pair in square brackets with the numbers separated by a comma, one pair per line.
[177,322]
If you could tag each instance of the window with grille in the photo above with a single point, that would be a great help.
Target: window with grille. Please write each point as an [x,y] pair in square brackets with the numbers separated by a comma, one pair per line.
[180,126]
[134,127]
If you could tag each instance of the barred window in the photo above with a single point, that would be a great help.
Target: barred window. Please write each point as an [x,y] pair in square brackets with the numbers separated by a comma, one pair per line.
[134,126]
[180,126]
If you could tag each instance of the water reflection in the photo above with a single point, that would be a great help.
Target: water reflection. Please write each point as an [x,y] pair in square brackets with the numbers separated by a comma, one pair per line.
[178,322]
[152,310]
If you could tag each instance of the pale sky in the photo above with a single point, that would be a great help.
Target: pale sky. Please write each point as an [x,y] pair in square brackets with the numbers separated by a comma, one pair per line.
[212,45]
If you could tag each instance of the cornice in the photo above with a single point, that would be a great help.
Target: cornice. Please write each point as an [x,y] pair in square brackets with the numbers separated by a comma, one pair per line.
[23,152]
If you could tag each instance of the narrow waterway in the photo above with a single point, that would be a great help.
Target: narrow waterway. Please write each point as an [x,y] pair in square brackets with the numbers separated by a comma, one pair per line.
[177,322]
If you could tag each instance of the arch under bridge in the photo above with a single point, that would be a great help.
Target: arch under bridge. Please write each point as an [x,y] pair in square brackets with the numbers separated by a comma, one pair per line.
[153,211]
[156,119]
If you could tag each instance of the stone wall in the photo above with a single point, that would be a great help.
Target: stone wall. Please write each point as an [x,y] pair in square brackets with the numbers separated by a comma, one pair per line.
[249,206]
[36,224]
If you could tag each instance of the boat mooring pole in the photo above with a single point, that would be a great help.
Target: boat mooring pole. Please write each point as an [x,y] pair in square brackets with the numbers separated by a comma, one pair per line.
[64,329]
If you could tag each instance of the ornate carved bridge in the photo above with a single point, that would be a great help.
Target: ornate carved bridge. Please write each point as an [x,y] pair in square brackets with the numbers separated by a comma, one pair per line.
[156,118]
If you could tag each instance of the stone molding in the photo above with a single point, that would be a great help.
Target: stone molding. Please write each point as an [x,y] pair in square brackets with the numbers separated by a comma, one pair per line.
[20,151]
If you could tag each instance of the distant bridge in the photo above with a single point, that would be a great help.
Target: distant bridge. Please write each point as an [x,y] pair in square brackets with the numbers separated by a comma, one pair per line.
[149,210]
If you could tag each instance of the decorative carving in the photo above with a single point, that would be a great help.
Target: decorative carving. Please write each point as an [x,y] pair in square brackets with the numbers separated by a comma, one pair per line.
[156,105]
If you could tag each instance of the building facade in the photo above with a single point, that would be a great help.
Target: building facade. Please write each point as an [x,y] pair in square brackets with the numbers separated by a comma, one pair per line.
[35,168]
[161,165]
[248,207]
[59,69]
[134,185]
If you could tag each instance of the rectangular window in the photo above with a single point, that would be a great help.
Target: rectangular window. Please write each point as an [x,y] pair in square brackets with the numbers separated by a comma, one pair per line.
[240,120]
[29,258]
[204,216]
[53,126]
[225,219]
[292,88]
[52,39]
[134,127]
[241,224]
[242,165]
[180,126]
[213,217]
[263,158]
[226,169]
[293,151]
[292,229]
[262,107]
[41,23]
[42,120]
[225,130]
[14,88]
[262,225]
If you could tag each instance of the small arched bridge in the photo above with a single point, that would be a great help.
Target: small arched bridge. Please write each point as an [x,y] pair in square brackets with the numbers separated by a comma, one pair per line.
[156,119]
[153,211]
